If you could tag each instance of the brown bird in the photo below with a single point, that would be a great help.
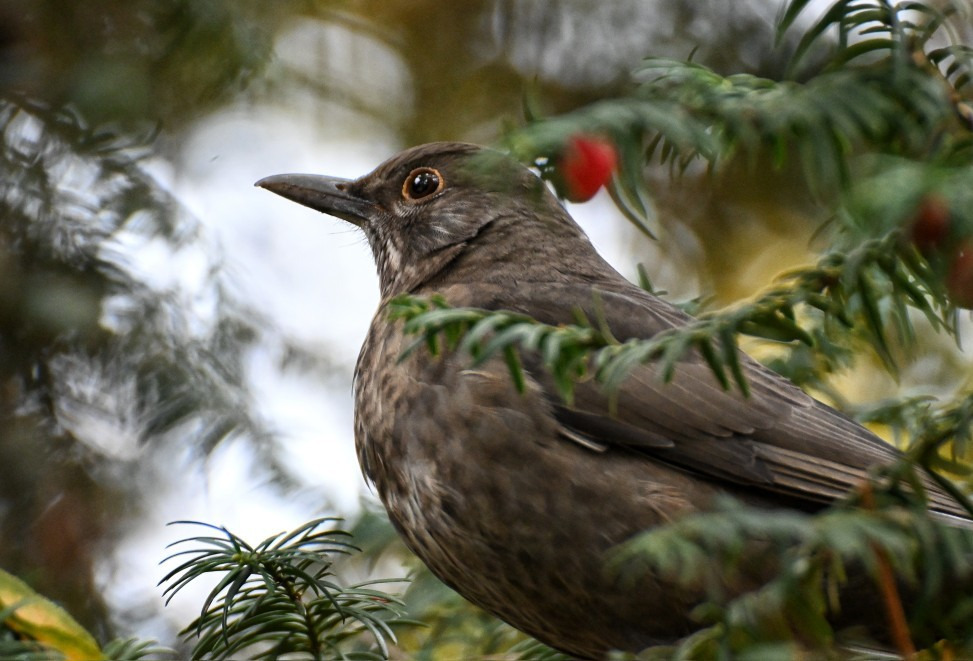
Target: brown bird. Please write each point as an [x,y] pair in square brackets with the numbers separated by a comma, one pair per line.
[514,498]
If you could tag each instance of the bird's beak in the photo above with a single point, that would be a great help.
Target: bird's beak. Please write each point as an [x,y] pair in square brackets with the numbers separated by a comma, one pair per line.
[329,195]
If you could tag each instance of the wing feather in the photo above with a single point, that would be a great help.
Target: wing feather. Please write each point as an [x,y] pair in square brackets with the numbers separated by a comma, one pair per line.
[778,439]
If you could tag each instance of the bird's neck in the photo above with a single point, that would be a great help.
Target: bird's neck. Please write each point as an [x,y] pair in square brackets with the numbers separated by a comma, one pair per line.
[515,250]
[401,274]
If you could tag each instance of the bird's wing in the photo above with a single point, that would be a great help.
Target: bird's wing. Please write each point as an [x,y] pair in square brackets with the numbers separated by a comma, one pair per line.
[777,439]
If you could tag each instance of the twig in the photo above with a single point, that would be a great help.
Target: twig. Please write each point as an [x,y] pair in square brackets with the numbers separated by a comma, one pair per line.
[890,592]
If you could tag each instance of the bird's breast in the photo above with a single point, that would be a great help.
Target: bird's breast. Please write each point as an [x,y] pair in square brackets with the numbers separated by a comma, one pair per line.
[474,475]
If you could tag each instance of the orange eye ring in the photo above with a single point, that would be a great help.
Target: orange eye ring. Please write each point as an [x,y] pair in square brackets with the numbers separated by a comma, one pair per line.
[422,183]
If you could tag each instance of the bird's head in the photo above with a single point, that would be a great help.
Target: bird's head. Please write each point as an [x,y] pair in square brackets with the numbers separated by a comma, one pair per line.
[422,207]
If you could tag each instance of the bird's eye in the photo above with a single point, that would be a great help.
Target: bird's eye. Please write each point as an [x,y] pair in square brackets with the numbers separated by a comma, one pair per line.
[422,182]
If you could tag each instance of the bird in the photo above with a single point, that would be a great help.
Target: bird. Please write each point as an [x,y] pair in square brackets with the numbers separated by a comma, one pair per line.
[512,496]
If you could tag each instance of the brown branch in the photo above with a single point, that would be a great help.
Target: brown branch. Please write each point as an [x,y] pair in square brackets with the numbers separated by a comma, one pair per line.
[891,599]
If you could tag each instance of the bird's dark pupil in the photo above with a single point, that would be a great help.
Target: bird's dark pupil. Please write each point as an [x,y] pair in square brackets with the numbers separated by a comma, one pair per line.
[424,183]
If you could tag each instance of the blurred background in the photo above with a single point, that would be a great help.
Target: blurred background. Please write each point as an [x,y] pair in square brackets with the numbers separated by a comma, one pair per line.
[176,344]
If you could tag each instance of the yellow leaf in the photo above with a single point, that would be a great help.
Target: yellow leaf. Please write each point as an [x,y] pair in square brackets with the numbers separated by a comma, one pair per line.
[40,619]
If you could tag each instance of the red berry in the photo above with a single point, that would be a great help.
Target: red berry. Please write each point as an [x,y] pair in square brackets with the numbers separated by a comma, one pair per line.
[959,279]
[586,165]
[930,224]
